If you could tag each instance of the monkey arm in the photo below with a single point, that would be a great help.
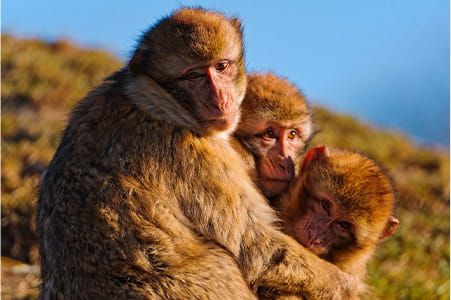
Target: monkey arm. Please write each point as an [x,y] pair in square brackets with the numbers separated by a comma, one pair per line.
[292,269]
[236,216]
[289,268]
[146,199]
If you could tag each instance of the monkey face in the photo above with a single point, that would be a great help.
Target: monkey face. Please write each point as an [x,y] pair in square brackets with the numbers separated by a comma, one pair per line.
[275,126]
[276,145]
[211,93]
[344,202]
[323,226]
[197,58]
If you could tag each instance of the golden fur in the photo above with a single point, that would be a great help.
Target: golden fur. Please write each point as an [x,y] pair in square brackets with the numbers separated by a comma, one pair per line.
[142,202]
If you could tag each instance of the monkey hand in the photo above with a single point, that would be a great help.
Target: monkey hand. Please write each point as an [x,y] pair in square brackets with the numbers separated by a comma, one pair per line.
[349,286]
[335,284]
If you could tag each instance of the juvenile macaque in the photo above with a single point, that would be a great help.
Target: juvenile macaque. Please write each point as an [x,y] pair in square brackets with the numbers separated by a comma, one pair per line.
[145,197]
[274,130]
[340,207]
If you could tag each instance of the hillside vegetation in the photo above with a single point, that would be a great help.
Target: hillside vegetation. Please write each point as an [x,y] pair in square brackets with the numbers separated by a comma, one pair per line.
[42,81]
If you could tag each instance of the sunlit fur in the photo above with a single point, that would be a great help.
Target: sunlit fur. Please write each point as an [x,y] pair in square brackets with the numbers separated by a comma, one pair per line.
[361,188]
[187,38]
[273,98]
[139,203]
[270,98]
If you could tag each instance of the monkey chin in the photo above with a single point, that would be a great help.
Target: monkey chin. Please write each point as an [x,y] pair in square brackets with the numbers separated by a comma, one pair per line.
[273,187]
[224,124]
[320,250]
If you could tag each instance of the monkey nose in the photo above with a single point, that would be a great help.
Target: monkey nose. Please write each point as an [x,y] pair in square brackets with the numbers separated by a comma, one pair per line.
[315,238]
[286,164]
[316,242]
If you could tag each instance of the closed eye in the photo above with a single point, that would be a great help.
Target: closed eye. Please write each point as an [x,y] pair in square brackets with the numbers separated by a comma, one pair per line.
[192,75]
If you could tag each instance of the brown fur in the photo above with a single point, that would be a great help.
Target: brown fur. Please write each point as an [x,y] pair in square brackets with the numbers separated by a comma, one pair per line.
[143,201]
[270,98]
[273,98]
[363,190]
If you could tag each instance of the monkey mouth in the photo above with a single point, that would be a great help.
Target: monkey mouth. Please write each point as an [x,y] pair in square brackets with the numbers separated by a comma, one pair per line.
[220,123]
[275,181]
[317,249]
[273,187]
[222,117]
[278,179]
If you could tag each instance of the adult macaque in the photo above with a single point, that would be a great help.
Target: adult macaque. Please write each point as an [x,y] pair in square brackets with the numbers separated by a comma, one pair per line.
[146,199]
[340,207]
[274,130]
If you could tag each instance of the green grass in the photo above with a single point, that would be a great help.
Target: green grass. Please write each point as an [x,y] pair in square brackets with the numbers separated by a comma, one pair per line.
[42,81]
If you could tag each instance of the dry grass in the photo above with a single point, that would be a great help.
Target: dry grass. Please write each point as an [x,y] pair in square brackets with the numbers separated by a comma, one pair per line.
[42,81]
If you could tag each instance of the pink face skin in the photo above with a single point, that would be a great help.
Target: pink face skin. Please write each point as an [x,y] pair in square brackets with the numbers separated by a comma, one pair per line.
[324,225]
[278,144]
[213,90]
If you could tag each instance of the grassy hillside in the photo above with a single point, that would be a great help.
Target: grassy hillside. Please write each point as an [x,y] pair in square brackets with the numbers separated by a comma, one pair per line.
[42,81]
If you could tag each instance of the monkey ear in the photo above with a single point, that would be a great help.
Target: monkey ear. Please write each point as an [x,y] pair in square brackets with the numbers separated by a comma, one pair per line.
[315,154]
[390,228]
[236,23]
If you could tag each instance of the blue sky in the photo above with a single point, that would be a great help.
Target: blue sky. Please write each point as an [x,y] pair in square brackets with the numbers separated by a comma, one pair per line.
[385,61]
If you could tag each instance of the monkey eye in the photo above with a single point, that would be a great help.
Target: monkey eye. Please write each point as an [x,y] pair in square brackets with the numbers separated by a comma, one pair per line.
[222,65]
[192,75]
[268,134]
[344,224]
[325,205]
[293,134]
